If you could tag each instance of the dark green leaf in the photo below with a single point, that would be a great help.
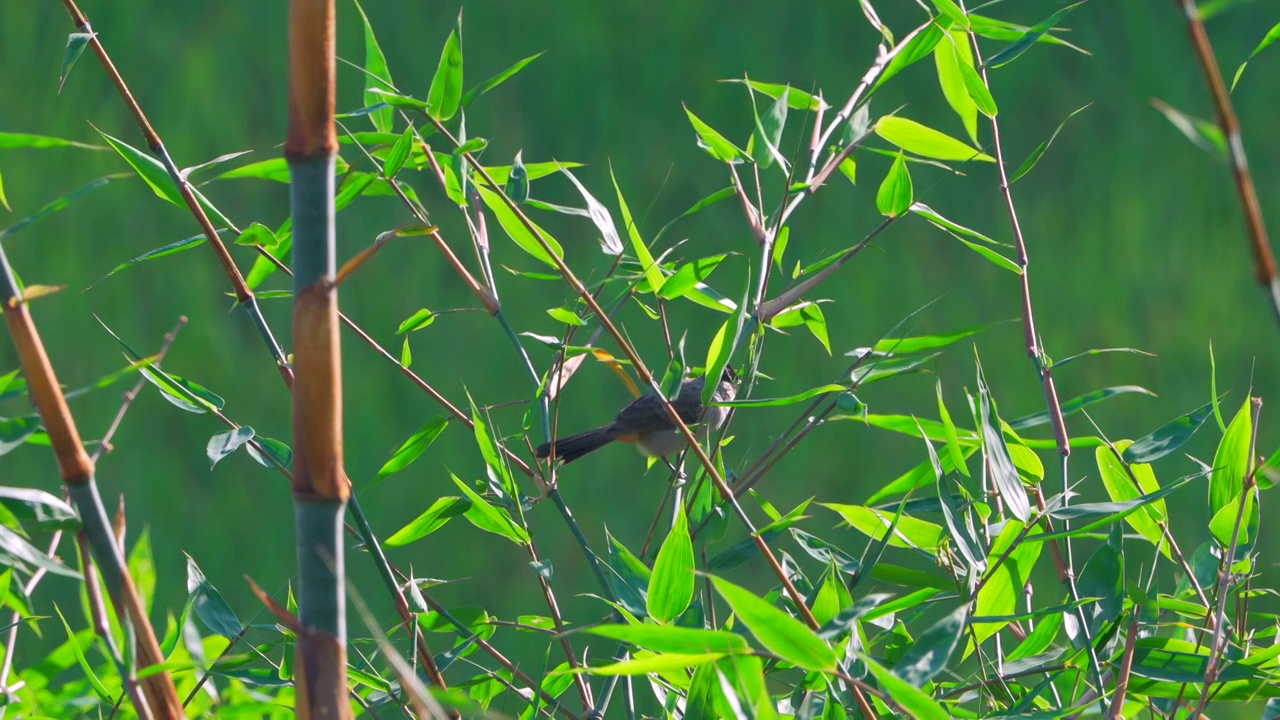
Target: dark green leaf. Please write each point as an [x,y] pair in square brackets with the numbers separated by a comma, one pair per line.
[212,610]
[74,641]
[1076,404]
[1036,154]
[796,99]
[16,431]
[879,368]
[1168,437]
[170,249]
[16,550]
[1029,38]
[928,655]
[517,187]
[76,43]
[915,701]
[278,451]
[39,508]
[55,206]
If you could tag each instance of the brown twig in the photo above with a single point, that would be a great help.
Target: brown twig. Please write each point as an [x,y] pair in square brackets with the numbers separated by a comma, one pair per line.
[1264,264]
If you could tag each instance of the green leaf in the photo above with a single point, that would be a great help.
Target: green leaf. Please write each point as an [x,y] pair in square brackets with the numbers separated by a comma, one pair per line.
[885,367]
[953,11]
[496,80]
[14,141]
[978,91]
[39,509]
[376,75]
[1102,578]
[910,532]
[916,702]
[767,136]
[1272,35]
[916,49]
[406,354]
[516,230]
[779,402]
[1076,404]
[630,578]
[568,317]
[74,641]
[1003,473]
[489,518]
[952,52]
[672,583]
[1121,487]
[928,655]
[1029,38]
[417,321]
[780,633]
[895,194]
[445,94]
[921,140]
[411,449]
[490,451]
[713,142]
[955,454]
[599,216]
[1036,154]
[646,663]
[689,275]
[55,206]
[1231,461]
[1003,586]
[223,444]
[142,568]
[652,272]
[428,522]
[1168,437]
[17,551]
[77,42]
[517,187]
[208,604]
[674,639]
[808,314]
[796,99]
[276,169]
[278,452]
[399,153]
[920,343]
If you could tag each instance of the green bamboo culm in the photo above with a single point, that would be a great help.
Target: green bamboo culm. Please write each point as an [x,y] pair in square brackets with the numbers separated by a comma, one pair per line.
[320,487]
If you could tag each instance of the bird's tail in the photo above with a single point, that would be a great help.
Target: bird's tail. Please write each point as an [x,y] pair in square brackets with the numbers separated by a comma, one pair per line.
[573,447]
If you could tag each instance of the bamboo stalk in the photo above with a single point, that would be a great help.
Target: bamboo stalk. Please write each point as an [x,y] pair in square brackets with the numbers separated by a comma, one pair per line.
[77,473]
[320,489]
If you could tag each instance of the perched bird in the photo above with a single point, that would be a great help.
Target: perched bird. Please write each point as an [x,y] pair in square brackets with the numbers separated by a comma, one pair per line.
[646,424]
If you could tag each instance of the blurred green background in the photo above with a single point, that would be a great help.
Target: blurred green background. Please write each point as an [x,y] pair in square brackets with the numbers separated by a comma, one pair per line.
[1134,235]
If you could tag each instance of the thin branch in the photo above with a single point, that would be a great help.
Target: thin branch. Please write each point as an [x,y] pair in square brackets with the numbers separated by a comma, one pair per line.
[1264,264]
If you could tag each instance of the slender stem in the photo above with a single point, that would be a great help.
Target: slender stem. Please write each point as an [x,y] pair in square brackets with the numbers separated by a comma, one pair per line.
[1038,359]
[1264,264]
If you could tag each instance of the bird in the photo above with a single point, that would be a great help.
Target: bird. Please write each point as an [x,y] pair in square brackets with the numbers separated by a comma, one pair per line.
[645,423]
